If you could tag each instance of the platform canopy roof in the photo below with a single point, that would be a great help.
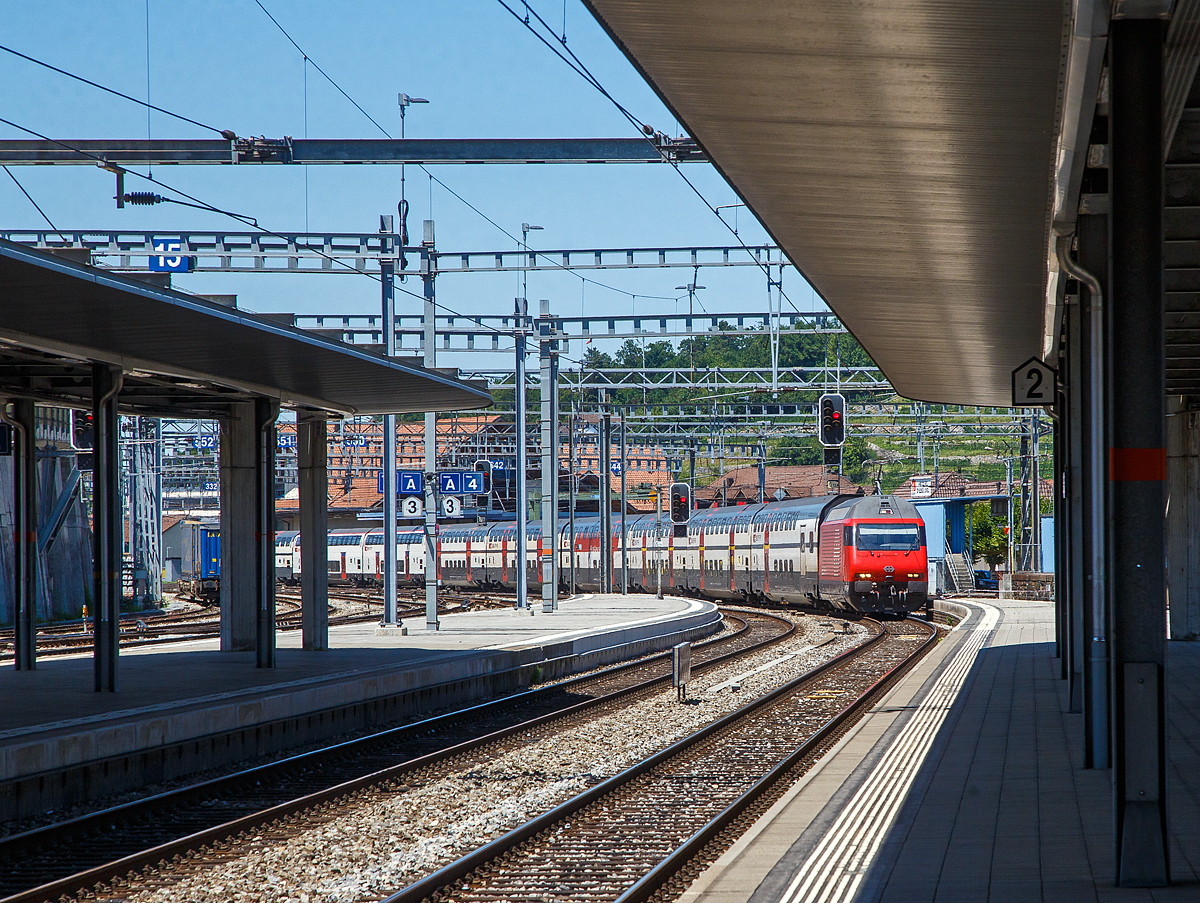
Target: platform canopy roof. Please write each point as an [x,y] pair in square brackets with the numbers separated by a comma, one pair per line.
[903,154]
[182,355]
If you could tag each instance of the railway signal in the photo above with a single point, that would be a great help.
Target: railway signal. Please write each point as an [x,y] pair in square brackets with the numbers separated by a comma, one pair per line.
[681,504]
[83,435]
[832,425]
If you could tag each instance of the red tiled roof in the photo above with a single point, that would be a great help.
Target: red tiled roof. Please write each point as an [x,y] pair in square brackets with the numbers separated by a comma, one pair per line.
[797,481]
[953,484]
[362,495]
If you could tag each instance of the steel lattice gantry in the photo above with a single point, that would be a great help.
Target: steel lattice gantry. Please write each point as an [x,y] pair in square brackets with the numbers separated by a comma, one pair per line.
[318,151]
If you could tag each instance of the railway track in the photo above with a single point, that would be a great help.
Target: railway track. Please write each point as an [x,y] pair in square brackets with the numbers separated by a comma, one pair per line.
[65,858]
[192,625]
[628,838]
[153,628]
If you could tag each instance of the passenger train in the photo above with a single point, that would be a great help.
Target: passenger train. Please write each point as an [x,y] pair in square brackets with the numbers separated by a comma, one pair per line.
[847,553]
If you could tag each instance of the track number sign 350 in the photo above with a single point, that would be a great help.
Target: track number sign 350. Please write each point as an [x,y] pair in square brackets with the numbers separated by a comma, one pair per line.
[1033,385]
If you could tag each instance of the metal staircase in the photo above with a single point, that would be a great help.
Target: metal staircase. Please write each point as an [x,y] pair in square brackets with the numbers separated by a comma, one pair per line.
[962,577]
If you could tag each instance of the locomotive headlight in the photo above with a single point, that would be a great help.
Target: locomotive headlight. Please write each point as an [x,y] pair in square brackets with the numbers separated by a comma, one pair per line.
[864,576]
[914,575]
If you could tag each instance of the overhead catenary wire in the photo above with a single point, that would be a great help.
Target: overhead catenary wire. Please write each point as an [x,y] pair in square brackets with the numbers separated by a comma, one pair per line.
[580,68]
[35,203]
[434,178]
[144,103]
[258,3]
[246,220]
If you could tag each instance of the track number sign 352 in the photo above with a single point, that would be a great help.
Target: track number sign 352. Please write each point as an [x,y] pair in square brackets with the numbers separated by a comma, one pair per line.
[1033,385]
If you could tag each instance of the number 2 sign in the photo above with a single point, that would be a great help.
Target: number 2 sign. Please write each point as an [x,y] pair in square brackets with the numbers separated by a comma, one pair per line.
[1033,385]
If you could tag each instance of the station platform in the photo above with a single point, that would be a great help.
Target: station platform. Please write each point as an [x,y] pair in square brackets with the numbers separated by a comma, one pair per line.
[966,783]
[184,707]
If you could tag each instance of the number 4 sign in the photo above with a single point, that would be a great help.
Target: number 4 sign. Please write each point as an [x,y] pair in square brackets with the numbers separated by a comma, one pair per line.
[1033,385]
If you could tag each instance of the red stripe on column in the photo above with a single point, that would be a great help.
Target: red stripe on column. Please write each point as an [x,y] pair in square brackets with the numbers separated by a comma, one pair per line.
[1137,464]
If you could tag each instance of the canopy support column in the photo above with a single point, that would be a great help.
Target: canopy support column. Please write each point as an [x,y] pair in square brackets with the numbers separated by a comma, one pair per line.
[1137,457]
[313,455]
[25,529]
[107,523]
[265,412]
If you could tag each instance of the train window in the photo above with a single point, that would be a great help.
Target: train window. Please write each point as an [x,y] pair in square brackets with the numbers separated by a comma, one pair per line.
[888,537]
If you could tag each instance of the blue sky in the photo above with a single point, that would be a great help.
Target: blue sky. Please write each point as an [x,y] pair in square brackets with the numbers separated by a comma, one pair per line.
[224,63]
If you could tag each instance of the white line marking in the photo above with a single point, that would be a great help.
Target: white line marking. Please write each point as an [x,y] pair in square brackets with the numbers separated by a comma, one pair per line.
[835,868]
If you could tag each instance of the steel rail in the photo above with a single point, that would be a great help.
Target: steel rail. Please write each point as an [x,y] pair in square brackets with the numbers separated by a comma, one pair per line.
[652,881]
[99,821]
[458,870]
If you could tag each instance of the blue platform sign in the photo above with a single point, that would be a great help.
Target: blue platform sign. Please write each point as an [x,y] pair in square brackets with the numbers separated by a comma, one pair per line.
[408,482]
[615,467]
[169,259]
[450,482]
[472,483]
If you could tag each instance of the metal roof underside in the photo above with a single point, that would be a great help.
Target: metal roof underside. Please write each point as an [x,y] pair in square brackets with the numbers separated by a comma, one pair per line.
[183,355]
[901,154]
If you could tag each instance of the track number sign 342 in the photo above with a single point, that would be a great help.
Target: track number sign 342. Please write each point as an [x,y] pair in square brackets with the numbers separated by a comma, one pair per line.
[1033,385]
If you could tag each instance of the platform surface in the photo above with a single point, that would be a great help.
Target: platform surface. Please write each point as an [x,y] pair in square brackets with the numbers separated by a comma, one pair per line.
[986,797]
[58,698]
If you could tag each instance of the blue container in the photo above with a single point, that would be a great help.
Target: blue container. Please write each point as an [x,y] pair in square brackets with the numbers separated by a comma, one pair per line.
[210,552]
[200,571]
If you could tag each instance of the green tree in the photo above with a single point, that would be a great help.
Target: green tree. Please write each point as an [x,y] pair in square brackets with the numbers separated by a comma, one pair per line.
[795,450]
[987,534]
[857,460]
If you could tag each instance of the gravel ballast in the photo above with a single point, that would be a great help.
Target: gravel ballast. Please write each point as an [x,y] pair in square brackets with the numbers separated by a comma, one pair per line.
[383,840]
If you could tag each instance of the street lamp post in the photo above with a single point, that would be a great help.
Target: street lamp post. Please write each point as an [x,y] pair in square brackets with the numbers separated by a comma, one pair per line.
[405,101]
[526,228]
[387,269]
[571,490]
[691,288]
[522,574]
[521,315]
[624,520]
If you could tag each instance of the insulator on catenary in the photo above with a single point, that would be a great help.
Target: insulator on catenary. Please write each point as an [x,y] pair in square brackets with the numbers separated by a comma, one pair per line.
[143,198]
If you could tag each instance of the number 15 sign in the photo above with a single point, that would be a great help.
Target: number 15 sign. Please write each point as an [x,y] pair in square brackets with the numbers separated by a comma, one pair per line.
[1033,385]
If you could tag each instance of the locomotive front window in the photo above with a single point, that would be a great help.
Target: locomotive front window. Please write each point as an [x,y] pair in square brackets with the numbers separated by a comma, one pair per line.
[888,537]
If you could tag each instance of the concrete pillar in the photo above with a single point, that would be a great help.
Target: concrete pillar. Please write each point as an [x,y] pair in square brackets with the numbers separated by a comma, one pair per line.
[314,528]
[25,528]
[265,412]
[1183,519]
[107,523]
[1075,500]
[1137,457]
[1061,538]
[1092,232]
[239,593]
